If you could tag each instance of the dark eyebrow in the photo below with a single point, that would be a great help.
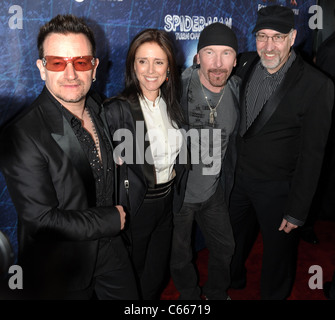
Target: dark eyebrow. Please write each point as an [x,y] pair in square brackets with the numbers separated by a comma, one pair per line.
[154,58]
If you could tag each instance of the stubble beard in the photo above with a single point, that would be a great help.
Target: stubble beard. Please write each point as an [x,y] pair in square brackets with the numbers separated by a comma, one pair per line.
[78,98]
[73,100]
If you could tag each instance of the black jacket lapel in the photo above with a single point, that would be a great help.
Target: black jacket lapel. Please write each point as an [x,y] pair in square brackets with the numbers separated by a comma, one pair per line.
[64,136]
[272,104]
[71,147]
[245,71]
[148,168]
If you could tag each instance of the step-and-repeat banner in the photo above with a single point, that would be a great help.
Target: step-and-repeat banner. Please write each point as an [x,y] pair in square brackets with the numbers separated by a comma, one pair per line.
[115,23]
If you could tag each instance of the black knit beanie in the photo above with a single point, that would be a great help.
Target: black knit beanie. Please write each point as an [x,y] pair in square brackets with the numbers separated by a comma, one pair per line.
[217,34]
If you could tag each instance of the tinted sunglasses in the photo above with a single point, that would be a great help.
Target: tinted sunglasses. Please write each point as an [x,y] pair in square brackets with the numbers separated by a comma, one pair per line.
[82,63]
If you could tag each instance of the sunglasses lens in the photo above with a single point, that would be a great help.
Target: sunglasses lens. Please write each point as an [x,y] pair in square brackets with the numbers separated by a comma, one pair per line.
[83,63]
[53,63]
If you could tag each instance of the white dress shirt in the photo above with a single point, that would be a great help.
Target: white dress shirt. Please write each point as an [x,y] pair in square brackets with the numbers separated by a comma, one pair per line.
[165,139]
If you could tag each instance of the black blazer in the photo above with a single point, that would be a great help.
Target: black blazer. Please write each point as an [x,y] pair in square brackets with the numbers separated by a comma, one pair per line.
[140,173]
[51,185]
[325,56]
[287,139]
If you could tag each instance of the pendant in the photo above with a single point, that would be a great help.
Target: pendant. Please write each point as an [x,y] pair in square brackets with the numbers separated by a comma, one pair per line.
[212,117]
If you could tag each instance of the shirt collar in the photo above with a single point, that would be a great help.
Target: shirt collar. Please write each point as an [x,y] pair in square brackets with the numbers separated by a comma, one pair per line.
[145,102]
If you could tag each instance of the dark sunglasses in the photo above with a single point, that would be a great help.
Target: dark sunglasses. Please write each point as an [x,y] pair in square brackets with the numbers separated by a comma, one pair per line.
[82,63]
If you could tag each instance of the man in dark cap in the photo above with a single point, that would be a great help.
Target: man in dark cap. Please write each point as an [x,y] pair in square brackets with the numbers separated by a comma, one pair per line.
[210,105]
[286,109]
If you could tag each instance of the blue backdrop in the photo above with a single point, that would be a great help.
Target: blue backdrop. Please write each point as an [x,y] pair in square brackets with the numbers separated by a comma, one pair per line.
[115,23]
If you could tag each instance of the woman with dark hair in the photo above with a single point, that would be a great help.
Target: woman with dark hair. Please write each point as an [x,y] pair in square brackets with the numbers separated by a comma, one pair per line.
[146,117]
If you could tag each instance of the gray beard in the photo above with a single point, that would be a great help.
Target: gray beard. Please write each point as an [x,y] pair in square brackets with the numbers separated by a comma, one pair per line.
[272,65]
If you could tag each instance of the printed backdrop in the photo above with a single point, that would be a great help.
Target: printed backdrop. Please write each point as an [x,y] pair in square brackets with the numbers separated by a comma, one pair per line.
[115,23]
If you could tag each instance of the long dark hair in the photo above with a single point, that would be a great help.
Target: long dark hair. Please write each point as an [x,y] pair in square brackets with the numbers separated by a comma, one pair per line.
[170,89]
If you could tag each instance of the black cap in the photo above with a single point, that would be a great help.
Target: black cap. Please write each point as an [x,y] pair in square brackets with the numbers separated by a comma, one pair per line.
[217,34]
[278,18]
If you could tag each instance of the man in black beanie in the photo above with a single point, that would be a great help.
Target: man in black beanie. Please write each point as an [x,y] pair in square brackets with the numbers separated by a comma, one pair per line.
[210,105]
[286,109]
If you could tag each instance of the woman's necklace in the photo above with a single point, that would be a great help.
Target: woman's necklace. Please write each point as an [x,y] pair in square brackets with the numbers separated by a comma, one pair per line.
[212,114]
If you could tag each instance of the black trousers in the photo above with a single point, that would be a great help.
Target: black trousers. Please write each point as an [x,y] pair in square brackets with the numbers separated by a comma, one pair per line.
[119,284]
[151,232]
[213,219]
[255,202]
[114,277]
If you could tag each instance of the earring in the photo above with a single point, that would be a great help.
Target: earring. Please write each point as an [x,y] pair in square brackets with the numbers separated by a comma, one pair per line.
[167,76]
[94,79]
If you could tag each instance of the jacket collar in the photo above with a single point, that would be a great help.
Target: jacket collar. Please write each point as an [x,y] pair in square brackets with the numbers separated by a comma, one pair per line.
[148,169]
[66,139]
[51,111]
[272,104]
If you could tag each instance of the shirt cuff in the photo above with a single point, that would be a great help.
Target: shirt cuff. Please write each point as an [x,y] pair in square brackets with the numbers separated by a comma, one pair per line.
[294,220]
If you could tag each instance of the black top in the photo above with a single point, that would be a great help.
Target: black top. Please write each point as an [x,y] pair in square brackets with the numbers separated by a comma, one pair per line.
[103,183]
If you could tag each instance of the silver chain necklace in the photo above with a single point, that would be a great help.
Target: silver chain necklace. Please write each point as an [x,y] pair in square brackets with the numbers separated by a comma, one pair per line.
[212,114]
[95,135]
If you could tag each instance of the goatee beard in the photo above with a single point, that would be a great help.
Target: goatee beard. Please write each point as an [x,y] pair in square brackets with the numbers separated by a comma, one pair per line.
[217,81]
[270,64]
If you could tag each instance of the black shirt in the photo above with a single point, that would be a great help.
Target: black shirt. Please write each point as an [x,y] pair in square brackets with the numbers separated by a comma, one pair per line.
[102,170]
[262,85]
